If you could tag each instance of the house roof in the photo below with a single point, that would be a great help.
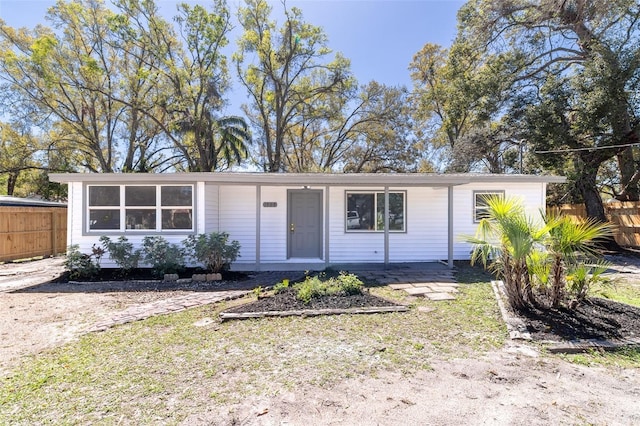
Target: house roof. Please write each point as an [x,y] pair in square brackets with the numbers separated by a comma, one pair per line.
[7,201]
[351,179]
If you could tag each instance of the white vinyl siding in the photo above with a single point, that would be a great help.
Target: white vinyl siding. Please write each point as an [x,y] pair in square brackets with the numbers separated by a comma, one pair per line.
[273,224]
[238,218]
[531,194]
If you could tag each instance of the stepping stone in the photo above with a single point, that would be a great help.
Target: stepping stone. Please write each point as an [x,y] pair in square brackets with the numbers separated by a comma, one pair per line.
[444,288]
[421,284]
[400,286]
[418,291]
[440,296]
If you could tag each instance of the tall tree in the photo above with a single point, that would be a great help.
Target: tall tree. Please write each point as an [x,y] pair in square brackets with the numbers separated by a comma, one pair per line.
[74,75]
[589,47]
[291,72]
[191,69]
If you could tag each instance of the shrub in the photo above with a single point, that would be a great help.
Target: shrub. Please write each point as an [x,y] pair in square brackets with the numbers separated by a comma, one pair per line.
[582,276]
[122,253]
[213,250]
[281,286]
[82,265]
[164,257]
[313,287]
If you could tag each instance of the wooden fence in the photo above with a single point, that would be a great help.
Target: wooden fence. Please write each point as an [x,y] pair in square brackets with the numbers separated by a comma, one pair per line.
[625,216]
[27,232]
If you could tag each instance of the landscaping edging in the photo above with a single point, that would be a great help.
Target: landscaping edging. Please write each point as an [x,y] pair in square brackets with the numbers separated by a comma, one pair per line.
[518,331]
[224,316]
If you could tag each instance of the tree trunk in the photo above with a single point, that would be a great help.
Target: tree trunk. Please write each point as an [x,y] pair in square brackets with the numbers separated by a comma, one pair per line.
[628,178]
[586,185]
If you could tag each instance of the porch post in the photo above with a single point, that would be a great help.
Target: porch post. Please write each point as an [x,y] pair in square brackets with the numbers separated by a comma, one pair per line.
[327,223]
[450,227]
[258,211]
[386,226]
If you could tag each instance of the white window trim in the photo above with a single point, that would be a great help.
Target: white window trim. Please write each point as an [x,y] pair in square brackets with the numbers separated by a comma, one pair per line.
[474,213]
[375,194]
[123,209]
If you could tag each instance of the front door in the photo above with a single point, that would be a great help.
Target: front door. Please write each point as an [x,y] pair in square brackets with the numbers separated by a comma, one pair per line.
[305,223]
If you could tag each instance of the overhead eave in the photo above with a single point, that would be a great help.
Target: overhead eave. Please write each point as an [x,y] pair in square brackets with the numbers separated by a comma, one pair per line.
[284,179]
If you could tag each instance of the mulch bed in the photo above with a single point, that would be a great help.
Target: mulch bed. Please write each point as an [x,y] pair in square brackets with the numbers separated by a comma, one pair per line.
[286,301]
[594,319]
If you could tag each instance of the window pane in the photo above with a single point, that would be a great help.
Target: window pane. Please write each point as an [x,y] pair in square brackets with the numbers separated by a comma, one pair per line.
[176,195]
[104,219]
[140,195]
[481,205]
[396,211]
[141,219]
[360,211]
[104,195]
[177,219]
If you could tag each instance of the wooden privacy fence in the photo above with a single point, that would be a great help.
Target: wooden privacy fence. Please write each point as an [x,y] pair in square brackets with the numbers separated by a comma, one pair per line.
[625,216]
[27,232]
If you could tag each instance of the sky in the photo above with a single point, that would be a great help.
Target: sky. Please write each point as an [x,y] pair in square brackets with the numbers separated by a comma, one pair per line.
[380,37]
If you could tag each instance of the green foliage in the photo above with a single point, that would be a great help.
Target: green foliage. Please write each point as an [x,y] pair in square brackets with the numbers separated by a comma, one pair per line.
[122,253]
[582,277]
[281,286]
[164,258]
[80,265]
[316,286]
[525,253]
[213,250]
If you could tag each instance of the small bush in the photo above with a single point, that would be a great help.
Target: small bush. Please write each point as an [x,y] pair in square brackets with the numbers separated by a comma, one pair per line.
[122,253]
[164,257]
[213,250]
[314,287]
[83,266]
[281,286]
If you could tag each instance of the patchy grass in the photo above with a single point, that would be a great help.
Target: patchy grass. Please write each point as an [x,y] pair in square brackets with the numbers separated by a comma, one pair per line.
[621,290]
[164,368]
[621,358]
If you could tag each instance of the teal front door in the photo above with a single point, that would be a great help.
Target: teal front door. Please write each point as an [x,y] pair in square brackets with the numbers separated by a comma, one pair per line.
[305,224]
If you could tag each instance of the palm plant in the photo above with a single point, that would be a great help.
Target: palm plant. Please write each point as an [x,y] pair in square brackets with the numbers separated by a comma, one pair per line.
[505,240]
[567,241]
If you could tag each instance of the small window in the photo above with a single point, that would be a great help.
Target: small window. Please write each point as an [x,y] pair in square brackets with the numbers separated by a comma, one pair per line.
[480,204]
[365,211]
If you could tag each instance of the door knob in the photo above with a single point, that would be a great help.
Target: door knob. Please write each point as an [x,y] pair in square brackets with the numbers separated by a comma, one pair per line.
[292,228]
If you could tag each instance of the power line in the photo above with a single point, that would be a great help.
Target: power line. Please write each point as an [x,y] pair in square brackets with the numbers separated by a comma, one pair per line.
[595,148]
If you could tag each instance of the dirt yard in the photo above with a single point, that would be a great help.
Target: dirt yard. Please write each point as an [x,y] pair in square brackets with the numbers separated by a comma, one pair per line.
[513,386]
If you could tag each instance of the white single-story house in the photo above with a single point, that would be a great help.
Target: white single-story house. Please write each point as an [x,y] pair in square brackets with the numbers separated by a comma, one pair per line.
[290,221]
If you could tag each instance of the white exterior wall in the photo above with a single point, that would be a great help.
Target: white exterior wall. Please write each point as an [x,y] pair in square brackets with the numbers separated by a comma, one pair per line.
[85,241]
[425,238]
[233,209]
[273,225]
[237,216]
[351,247]
[211,208]
[532,194]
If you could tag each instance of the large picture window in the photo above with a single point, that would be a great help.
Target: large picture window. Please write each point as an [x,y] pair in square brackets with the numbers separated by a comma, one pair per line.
[365,211]
[480,204]
[131,208]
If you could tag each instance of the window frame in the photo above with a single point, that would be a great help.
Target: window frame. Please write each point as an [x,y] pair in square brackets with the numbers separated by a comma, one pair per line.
[375,194]
[123,207]
[477,209]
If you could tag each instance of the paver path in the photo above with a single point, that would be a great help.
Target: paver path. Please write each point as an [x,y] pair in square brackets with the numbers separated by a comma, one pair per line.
[166,306]
[435,282]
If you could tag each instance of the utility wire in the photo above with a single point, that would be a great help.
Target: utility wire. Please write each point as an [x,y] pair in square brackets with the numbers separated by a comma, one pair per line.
[595,148]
